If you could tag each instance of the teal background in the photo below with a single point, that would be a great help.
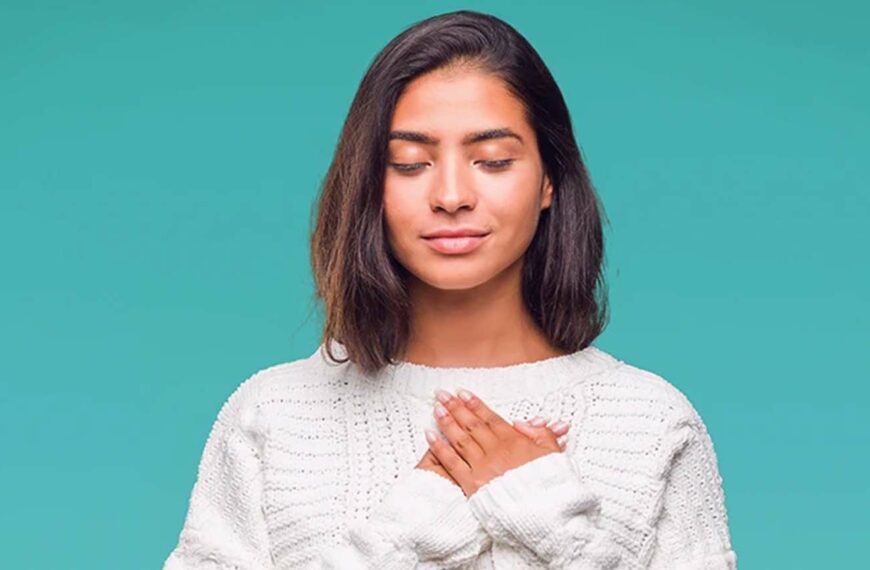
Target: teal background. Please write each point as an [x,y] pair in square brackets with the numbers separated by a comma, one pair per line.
[159,161]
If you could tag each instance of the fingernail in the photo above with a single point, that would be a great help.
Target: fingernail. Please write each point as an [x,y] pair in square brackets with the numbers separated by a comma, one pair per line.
[443,396]
[560,425]
[537,421]
[431,437]
[440,410]
[464,394]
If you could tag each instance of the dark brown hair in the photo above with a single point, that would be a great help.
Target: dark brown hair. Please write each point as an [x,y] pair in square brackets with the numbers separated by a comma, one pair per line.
[363,286]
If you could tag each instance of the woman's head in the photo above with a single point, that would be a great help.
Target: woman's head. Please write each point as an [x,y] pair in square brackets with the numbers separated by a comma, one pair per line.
[438,114]
[462,156]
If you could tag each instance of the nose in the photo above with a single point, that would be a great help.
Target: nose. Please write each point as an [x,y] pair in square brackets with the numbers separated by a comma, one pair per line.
[453,188]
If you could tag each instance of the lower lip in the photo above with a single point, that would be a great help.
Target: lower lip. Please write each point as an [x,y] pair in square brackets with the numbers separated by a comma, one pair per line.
[455,245]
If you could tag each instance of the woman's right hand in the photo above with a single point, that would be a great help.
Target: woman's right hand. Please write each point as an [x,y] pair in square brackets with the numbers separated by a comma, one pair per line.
[430,463]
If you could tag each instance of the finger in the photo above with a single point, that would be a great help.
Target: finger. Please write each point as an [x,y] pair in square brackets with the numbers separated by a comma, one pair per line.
[524,428]
[465,445]
[559,427]
[430,463]
[428,460]
[447,456]
[496,423]
[479,430]
[540,435]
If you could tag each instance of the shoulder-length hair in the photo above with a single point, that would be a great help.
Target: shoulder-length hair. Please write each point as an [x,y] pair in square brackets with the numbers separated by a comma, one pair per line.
[362,285]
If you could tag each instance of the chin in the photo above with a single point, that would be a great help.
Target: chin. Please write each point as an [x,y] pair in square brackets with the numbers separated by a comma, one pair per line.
[452,280]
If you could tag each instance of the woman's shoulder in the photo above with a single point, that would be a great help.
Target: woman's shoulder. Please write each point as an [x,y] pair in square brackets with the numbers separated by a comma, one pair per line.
[643,394]
[271,389]
[639,416]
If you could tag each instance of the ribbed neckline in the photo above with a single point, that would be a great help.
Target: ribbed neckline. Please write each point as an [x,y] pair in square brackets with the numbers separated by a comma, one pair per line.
[489,383]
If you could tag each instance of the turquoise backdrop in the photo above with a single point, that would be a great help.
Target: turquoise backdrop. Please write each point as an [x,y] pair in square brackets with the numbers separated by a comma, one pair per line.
[159,161]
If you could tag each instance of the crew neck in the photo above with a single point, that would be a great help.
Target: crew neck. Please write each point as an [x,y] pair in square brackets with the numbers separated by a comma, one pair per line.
[490,383]
[544,362]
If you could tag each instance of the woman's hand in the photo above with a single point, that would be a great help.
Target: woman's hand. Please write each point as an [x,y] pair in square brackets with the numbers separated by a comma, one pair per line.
[480,445]
[558,429]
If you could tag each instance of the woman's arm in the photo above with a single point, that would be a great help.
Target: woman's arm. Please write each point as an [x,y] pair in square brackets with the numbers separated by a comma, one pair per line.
[692,532]
[542,506]
[423,520]
[525,491]
[224,527]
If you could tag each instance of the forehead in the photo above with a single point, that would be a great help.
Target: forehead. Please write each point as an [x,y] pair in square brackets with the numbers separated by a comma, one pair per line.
[449,106]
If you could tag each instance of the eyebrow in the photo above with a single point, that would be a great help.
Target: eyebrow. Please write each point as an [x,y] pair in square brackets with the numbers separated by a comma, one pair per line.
[469,139]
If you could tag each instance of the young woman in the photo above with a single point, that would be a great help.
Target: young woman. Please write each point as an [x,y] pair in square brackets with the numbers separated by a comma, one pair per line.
[458,254]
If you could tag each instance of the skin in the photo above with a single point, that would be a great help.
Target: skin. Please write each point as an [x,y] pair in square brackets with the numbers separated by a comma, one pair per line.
[467,310]
[480,445]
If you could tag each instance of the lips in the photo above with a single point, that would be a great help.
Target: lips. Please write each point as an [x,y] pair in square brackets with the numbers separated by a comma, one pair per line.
[465,231]
[457,244]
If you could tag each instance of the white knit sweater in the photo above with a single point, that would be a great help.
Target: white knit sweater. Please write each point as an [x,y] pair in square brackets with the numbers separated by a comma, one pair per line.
[311,464]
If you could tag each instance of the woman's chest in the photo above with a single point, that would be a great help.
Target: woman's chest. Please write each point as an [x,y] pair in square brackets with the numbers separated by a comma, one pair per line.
[324,473]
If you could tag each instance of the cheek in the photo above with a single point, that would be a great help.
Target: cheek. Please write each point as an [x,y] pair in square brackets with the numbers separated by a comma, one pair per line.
[398,214]
[516,207]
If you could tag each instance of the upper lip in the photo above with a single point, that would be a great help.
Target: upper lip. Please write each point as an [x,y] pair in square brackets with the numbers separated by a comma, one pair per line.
[455,232]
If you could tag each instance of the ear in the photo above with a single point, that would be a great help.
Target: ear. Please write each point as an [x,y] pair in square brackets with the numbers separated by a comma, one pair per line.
[547,193]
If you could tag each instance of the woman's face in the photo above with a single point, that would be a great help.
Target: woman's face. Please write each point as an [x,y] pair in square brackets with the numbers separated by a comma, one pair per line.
[441,177]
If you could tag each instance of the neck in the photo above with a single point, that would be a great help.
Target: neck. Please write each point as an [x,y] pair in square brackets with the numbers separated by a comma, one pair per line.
[484,326]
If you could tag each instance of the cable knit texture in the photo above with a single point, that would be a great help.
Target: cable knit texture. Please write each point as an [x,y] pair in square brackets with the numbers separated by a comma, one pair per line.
[311,464]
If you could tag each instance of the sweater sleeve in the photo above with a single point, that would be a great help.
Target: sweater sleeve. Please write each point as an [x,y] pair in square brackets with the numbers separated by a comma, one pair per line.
[692,531]
[224,527]
[422,522]
[543,506]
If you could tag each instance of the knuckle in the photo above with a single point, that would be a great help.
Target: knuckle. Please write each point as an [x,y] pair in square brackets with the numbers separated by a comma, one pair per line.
[474,424]
[473,403]
[495,423]
[462,441]
[452,404]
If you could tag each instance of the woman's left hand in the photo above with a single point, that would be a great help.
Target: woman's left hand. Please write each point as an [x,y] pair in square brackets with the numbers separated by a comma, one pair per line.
[480,445]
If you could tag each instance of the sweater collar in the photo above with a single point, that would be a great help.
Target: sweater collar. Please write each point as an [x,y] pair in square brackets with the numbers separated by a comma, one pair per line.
[499,383]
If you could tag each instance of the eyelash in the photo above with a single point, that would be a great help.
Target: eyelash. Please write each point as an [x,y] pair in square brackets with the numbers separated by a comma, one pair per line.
[493,164]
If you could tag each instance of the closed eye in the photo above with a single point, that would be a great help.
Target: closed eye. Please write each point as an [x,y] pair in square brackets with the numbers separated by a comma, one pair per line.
[489,164]
[497,164]
[407,167]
